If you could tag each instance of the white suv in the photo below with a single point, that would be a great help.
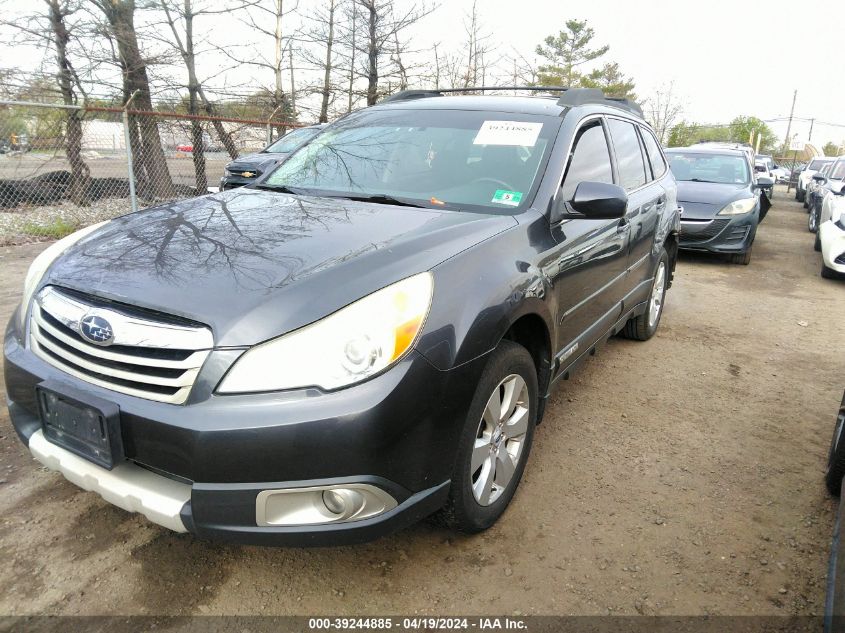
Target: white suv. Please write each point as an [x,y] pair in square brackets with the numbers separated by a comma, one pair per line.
[804,178]
[828,193]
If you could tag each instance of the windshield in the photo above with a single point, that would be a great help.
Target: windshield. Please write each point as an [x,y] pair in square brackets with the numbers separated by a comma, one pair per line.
[719,168]
[475,161]
[838,171]
[816,165]
[292,140]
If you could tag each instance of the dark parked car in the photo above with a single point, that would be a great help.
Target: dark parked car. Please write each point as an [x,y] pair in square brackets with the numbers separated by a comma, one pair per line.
[246,169]
[835,602]
[366,337]
[722,201]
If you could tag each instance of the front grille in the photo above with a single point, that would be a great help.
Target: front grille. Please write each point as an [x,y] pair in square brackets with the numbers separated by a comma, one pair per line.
[240,170]
[701,231]
[149,358]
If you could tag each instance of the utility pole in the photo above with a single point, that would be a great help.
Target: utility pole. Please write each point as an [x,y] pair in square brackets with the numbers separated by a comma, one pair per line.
[789,125]
[810,135]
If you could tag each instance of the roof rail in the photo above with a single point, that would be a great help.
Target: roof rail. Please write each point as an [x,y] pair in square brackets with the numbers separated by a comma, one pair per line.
[581,96]
[409,95]
[570,97]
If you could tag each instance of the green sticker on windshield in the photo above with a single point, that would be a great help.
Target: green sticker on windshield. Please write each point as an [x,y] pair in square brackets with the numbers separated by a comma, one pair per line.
[511,198]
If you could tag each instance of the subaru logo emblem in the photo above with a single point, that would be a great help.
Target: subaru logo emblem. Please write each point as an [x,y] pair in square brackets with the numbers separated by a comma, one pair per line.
[96,329]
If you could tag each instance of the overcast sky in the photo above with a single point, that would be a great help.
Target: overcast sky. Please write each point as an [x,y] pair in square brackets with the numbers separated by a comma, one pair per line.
[726,58]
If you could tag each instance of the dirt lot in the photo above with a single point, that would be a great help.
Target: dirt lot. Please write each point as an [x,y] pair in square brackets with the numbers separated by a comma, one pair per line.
[678,476]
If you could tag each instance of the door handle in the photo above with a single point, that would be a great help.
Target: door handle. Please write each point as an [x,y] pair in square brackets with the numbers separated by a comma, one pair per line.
[624,226]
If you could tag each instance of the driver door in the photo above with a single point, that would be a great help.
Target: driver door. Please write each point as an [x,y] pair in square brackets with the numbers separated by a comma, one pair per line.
[589,264]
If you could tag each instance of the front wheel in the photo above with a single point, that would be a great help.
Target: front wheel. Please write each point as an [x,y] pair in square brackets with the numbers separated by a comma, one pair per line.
[743,259]
[495,441]
[813,221]
[828,273]
[643,327]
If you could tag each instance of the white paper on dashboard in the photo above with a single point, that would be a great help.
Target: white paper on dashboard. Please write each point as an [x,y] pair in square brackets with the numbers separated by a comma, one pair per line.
[508,133]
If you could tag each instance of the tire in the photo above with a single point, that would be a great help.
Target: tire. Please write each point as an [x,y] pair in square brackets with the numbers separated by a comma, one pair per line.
[817,245]
[800,195]
[468,508]
[643,327]
[829,273]
[836,456]
[743,259]
[813,221]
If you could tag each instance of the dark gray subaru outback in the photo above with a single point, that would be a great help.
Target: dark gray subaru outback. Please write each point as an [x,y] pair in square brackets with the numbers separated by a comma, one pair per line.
[365,337]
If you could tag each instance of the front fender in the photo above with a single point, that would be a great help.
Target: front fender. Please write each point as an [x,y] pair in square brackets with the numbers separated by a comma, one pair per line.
[479,294]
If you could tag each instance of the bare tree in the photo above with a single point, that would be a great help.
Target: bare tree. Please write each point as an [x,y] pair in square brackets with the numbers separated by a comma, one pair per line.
[268,18]
[80,181]
[382,31]
[144,137]
[180,17]
[52,30]
[663,111]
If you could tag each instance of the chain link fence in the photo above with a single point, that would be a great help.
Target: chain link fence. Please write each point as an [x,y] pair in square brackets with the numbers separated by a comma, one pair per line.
[63,168]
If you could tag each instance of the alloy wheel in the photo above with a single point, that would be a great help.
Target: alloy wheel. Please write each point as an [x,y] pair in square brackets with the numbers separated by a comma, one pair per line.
[499,440]
[655,304]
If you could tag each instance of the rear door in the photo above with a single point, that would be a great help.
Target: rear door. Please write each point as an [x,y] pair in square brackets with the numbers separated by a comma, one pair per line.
[646,201]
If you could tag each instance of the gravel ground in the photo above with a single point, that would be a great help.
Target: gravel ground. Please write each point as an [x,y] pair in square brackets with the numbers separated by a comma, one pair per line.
[678,476]
[26,224]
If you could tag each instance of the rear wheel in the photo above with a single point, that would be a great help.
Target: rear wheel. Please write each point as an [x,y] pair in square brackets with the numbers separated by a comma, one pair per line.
[495,441]
[836,456]
[643,327]
[799,195]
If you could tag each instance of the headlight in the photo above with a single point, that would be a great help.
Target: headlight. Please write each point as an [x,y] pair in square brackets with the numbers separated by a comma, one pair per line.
[346,347]
[738,207]
[41,263]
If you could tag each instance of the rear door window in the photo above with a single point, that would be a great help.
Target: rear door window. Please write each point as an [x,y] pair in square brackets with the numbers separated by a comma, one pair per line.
[629,157]
[658,165]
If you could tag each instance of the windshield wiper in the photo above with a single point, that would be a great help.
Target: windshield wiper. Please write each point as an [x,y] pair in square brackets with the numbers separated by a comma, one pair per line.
[278,188]
[382,198]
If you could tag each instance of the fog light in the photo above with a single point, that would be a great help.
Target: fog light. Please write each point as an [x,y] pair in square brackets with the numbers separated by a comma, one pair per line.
[334,502]
[343,502]
[314,505]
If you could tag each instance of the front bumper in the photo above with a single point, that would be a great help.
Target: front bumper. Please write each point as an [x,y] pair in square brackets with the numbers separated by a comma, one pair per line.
[719,235]
[397,431]
[833,246]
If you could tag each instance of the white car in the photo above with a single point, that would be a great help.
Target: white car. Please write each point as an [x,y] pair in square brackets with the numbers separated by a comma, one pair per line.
[806,175]
[826,194]
[831,241]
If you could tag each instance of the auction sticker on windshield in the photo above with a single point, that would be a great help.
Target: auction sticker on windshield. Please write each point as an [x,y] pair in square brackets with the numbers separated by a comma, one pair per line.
[508,133]
[513,198]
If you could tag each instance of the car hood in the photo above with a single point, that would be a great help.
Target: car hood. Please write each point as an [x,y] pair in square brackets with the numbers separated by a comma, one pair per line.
[256,162]
[703,200]
[255,264]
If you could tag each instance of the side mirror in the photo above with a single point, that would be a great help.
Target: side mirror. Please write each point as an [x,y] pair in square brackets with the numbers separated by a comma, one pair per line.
[765,182]
[599,201]
[819,179]
[841,192]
